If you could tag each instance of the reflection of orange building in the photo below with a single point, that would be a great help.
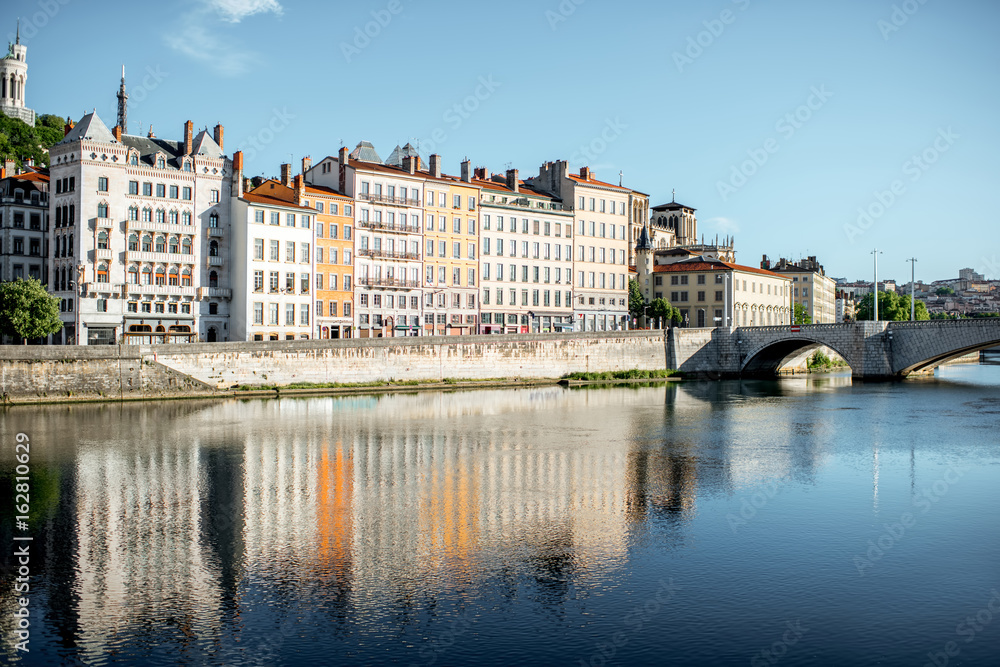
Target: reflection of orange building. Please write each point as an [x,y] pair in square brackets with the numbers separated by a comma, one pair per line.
[334,261]
[449,513]
[334,521]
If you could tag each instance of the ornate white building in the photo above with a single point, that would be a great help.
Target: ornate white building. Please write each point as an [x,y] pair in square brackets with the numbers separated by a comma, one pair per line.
[140,235]
[13,78]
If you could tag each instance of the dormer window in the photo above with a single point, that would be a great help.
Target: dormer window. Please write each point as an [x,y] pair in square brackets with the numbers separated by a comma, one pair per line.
[160,162]
[187,165]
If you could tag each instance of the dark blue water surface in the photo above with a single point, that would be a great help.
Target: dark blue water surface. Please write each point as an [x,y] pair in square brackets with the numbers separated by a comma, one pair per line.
[807,521]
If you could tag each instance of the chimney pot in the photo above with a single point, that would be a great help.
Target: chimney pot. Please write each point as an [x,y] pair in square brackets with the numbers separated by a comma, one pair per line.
[480,173]
[307,163]
[436,166]
[409,164]
[466,167]
[117,132]
[300,189]
[286,175]
[585,173]
[512,183]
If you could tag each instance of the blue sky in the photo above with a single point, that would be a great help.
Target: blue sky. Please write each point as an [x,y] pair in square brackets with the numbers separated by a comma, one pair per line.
[779,121]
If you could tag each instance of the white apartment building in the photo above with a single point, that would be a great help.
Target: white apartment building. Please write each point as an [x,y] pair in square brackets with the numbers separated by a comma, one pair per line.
[272,259]
[24,224]
[601,249]
[388,298]
[140,235]
[526,263]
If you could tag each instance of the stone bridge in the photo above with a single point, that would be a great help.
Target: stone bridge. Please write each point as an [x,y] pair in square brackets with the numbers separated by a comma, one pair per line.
[874,350]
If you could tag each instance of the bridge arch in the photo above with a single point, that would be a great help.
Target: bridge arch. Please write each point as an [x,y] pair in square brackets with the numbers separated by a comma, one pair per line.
[768,358]
[930,344]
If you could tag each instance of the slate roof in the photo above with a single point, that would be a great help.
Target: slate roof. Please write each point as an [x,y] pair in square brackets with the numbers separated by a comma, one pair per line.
[672,206]
[92,128]
[395,159]
[365,152]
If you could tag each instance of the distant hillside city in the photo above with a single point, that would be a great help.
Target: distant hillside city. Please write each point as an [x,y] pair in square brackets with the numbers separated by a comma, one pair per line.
[145,239]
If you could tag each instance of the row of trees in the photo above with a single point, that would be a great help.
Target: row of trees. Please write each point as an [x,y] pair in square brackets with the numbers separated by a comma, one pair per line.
[657,309]
[892,306]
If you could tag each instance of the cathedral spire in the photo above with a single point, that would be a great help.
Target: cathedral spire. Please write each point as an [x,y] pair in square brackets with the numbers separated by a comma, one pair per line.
[123,105]
[18,30]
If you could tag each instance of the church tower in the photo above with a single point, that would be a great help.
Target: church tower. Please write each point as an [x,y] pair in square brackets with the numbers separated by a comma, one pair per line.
[13,78]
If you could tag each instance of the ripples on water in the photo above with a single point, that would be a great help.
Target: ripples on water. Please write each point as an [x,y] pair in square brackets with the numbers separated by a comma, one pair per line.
[697,523]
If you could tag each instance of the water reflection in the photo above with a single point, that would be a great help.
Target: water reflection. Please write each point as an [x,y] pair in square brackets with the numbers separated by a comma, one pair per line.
[194,529]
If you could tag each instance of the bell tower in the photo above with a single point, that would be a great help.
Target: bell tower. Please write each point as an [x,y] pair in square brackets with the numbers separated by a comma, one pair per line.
[13,79]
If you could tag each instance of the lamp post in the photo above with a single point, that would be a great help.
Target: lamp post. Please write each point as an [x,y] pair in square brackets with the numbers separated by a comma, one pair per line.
[913,287]
[876,252]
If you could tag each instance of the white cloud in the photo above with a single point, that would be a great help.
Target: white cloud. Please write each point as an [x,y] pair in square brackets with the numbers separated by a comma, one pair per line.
[235,11]
[723,225]
[194,41]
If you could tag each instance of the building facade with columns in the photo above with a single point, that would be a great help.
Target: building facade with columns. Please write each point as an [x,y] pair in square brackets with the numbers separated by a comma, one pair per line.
[140,235]
[14,80]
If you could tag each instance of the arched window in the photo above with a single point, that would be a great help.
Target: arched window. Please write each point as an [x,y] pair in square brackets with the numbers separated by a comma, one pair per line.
[102,240]
[133,212]
[172,277]
[173,217]
[102,273]
[213,249]
[186,218]
[160,162]
[174,245]
[147,276]
[160,215]
[147,243]
[161,244]
[147,215]
[140,328]
[102,210]
[160,277]
[213,279]
[133,275]
[186,247]
[133,159]
[213,220]
[133,242]
[186,278]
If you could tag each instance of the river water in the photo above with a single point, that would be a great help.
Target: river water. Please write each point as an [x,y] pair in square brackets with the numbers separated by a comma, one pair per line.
[805,521]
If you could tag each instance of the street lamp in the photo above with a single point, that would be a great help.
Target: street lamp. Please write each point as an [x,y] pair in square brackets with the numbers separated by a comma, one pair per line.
[913,287]
[876,252]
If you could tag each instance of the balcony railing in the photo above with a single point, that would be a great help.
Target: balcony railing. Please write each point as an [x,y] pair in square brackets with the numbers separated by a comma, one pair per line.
[177,290]
[215,292]
[166,227]
[103,253]
[105,223]
[398,283]
[402,228]
[387,254]
[159,257]
[214,231]
[215,261]
[386,199]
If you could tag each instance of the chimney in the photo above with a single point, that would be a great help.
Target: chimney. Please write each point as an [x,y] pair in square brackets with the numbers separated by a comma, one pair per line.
[300,189]
[150,135]
[585,174]
[117,131]
[436,165]
[342,160]
[409,164]
[188,137]
[466,167]
[68,126]
[217,135]
[3,173]
[286,175]
[765,263]
[512,180]
[480,174]
[247,184]
[238,183]
[307,163]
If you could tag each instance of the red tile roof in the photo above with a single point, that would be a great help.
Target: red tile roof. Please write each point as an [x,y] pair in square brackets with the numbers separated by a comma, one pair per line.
[594,181]
[273,193]
[713,265]
[325,191]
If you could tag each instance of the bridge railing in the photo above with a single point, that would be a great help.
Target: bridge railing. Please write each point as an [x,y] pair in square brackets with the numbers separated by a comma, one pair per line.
[949,323]
[786,328]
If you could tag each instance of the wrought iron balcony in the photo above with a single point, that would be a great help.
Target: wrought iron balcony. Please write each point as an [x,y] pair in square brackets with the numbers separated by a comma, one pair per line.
[387,254]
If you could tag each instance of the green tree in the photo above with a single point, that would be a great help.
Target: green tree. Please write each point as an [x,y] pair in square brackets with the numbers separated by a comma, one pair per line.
[19,141]
[801,315]
[941,291]
[27,310]
[660,308]
[892,307]
[636,301]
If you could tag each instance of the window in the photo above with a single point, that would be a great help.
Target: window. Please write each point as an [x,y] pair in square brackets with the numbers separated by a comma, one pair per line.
[186,192]
[290,251]
[215,197]
[273,282]
[275,251]
[102,211]
[213,220]
[173,192]
[258,281]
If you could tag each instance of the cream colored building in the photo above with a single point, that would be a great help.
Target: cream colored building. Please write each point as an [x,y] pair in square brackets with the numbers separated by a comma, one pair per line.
[710,291]
[811,287]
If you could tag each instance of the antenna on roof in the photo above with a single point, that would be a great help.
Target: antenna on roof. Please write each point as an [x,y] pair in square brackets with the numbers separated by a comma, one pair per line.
[673,199]
[621,174]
